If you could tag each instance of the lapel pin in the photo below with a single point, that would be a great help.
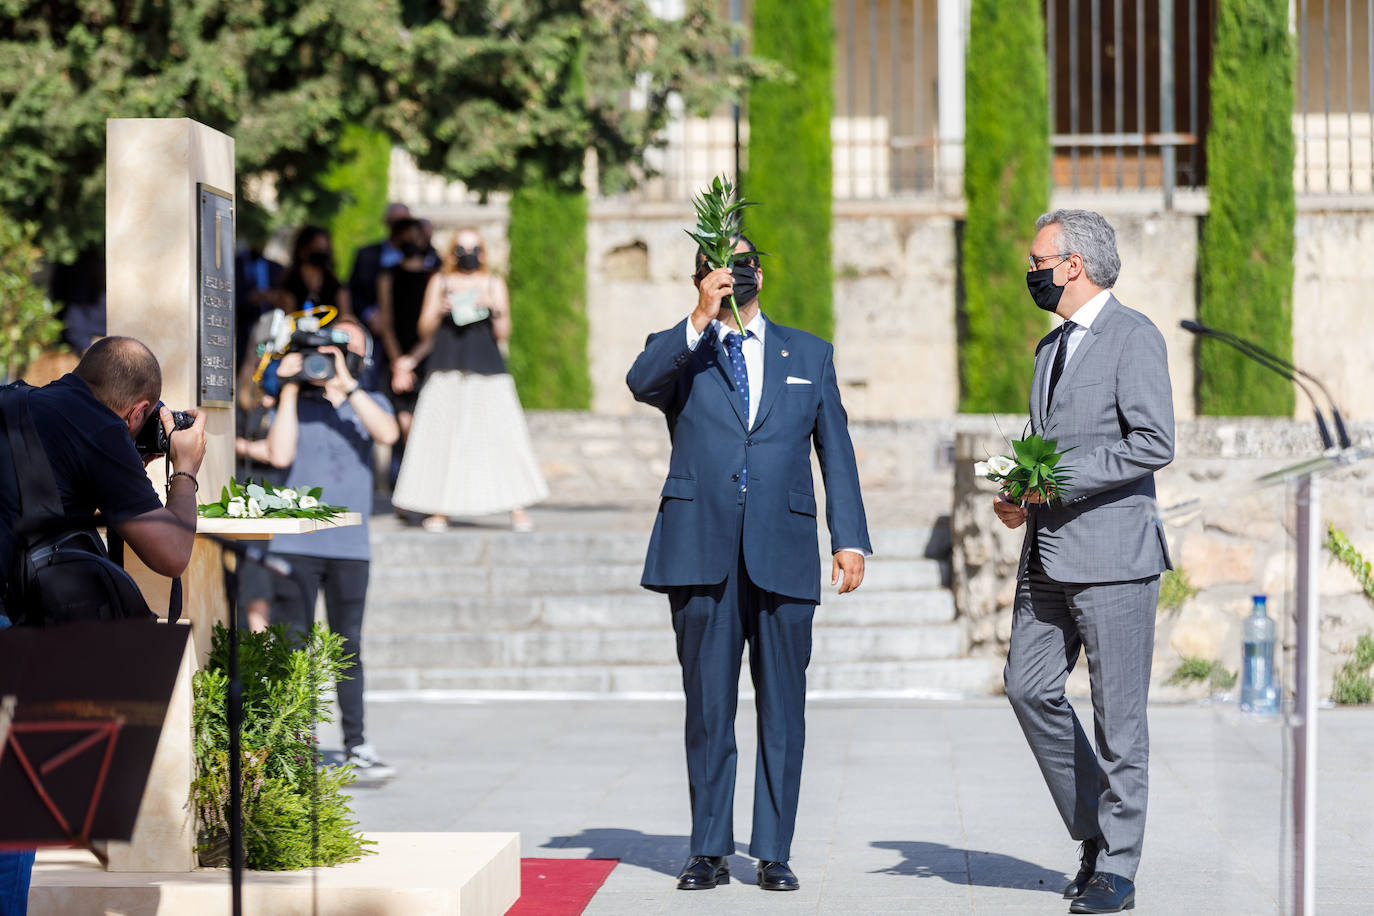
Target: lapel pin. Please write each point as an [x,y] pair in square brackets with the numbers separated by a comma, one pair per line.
[784,353]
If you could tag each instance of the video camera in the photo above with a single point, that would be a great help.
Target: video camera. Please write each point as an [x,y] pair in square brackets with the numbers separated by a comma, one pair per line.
[303,333]
[152,440]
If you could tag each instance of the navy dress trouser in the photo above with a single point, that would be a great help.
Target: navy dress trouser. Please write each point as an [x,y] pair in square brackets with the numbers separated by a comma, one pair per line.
[713,625]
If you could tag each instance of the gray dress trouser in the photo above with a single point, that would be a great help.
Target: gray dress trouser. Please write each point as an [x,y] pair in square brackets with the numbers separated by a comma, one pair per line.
[1114,622]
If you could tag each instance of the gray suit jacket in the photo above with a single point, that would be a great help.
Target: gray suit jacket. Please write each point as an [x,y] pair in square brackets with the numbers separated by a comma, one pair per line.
[1114,405]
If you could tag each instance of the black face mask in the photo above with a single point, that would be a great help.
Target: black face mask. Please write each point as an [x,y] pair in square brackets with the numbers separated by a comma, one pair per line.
[410,250]
[318,259]
[469,259]
[1043,289]
[746,280]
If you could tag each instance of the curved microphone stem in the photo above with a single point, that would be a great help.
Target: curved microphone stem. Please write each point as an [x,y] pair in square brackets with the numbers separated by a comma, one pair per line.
[1278,366]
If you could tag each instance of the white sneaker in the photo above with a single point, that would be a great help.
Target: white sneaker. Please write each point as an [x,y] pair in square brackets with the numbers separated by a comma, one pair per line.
[367,765]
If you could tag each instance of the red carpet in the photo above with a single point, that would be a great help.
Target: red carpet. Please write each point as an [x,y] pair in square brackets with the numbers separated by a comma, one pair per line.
[559,887]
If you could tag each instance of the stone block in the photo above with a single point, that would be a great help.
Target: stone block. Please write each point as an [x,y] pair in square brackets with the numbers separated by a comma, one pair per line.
[436,650]
[387,614]
[626,611]
[1214,560]
[408,582]
[893,609]
[876,644]
[511,581]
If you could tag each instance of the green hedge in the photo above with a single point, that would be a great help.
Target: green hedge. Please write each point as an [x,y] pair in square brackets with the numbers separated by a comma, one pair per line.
[790,171]
[1006,185]
[356,186]
[1247,241]
[548,291]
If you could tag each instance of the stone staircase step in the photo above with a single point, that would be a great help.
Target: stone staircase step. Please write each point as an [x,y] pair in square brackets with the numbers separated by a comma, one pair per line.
[410,548]
[962,675]
[390,583]
[562,648]
[628,611]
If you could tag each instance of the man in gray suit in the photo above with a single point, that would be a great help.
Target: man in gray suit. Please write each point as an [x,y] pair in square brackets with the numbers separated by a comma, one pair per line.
[1091,561]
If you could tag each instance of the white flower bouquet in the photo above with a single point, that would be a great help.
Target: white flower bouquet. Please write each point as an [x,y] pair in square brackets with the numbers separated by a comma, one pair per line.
[262,500]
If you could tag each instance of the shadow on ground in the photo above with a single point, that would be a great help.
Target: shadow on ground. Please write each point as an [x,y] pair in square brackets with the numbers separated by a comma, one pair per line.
[969,866]
[663,853]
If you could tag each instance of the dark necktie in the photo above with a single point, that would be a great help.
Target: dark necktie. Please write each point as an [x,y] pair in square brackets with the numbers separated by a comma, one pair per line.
[1061,356]
[734,346]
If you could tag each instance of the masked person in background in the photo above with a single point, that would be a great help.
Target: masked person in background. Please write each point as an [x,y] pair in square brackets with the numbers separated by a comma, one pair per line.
[311,278]
[322,435]
[400,299]
[469,451]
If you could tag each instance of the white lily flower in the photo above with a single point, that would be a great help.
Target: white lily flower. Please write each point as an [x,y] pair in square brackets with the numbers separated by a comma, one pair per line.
[254,510]
[288,494]
[308,502]
[236,508]
[981,468]
[1001,465]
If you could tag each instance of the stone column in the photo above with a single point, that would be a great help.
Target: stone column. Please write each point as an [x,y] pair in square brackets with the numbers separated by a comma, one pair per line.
[951,49]
[155,173]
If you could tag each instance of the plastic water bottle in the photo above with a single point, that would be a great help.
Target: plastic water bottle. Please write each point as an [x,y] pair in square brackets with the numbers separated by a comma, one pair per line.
[1259,687]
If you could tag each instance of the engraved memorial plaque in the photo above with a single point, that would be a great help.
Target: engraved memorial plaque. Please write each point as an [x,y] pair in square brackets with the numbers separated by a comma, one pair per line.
[215,288]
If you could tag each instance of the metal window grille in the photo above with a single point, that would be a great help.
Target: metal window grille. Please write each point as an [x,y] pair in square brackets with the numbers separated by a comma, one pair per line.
[1128,87]
[1333,119]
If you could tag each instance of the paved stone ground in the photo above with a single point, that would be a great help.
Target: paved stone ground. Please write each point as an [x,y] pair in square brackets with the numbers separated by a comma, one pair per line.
[907,807]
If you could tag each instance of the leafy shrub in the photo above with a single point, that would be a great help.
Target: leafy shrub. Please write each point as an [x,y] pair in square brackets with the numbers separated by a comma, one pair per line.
[28,319]
[1175,589]
[1195,670]
[295,814]
[1355,679]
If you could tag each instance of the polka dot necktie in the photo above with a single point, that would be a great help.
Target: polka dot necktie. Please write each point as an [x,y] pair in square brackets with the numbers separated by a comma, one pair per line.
[734,346]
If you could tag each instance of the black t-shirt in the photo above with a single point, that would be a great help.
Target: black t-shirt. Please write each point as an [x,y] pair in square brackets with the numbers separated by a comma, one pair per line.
[94,463]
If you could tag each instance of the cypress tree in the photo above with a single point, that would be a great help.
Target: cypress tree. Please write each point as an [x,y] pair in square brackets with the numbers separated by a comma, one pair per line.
[1247,244]
[790,172]
[1006,185]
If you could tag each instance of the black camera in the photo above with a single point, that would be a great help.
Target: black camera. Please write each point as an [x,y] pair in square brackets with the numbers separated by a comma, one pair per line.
[152,439]
[315,366]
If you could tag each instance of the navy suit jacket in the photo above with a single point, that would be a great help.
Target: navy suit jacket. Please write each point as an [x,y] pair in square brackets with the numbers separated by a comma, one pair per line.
[697,533]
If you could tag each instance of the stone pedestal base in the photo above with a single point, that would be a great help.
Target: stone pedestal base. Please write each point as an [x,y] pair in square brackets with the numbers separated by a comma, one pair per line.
[472,874]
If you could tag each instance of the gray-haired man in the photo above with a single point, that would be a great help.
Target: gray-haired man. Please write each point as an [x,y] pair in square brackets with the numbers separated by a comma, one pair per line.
[1090,564]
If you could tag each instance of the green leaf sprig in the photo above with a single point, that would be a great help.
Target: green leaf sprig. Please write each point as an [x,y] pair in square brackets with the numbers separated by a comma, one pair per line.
[1033,467]
[719,214]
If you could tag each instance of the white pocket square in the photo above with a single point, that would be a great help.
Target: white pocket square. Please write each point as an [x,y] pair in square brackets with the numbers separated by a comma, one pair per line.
[793,380]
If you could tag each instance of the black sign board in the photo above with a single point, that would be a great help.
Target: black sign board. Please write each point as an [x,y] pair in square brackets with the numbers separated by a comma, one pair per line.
[215,291]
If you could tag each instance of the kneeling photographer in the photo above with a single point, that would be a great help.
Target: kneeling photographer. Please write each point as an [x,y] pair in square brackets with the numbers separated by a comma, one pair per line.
[86,425]
[322,433]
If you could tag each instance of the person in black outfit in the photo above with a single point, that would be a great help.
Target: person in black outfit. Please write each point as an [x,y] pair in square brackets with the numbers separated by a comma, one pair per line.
[311,278]
[400,297]
[368,264]
[86,422]
[256,280]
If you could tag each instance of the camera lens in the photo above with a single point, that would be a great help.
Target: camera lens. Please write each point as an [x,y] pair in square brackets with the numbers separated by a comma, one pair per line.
[317,367]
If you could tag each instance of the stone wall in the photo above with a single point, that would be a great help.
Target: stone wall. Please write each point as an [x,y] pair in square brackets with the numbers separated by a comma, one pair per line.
[1239,543]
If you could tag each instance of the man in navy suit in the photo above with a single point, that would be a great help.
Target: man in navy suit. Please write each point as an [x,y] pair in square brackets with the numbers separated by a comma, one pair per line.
[734,547]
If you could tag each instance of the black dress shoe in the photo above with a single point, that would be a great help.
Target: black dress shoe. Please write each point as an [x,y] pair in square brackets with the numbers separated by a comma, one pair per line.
[776,876]
[703,872]
[1106,893]
[1087,867]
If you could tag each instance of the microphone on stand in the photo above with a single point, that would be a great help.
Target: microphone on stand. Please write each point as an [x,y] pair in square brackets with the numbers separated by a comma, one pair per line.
[1283,368]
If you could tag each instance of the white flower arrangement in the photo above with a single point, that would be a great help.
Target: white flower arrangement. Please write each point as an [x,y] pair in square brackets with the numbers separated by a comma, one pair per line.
[262,500]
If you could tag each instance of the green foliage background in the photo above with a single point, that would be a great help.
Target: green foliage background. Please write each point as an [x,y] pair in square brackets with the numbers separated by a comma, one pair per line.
[28,320]
[1247,245]
[355,187]
[790,172]
[548,291]
[1007,186]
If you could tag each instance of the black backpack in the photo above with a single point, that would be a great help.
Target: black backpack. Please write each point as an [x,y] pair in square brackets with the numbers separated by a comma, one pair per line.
[60,571]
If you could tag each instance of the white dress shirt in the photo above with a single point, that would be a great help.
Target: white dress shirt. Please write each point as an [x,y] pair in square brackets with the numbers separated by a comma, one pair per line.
[1082,320]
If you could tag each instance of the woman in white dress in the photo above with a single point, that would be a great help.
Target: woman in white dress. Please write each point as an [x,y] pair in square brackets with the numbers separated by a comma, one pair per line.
[469,451]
